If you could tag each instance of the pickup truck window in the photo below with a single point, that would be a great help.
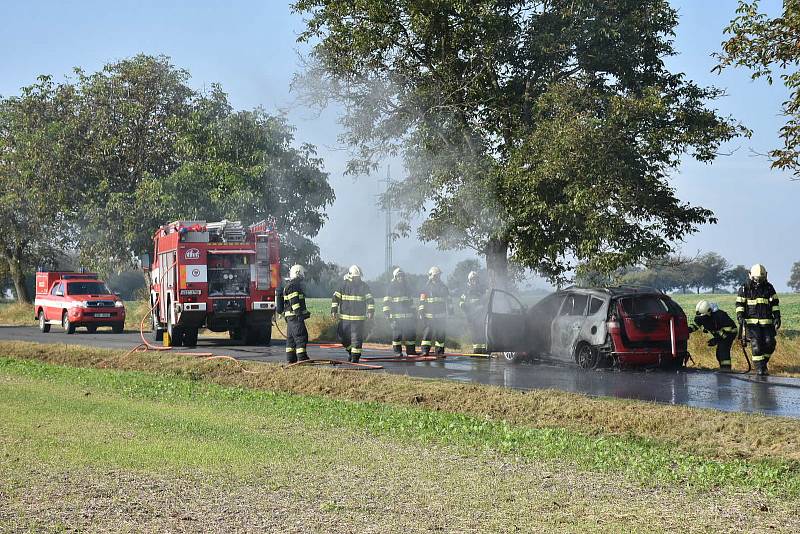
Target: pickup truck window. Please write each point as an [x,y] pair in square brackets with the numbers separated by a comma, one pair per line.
[57,291]
[87,288]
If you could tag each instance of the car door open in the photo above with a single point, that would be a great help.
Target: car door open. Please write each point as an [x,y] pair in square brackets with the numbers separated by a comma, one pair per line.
[506,323]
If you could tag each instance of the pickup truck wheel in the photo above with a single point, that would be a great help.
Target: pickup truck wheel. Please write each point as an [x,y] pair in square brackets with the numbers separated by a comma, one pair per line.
[43,326]
[586,356]
[69,328]
[118,328]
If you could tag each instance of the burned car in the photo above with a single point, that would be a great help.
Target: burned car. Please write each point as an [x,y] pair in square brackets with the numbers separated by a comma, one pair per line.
[593,327]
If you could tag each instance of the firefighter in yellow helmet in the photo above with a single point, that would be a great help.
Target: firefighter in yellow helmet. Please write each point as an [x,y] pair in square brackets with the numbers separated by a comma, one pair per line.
[758,312]
[352,304]
[398,307]
[292,304]
[434,305]
[710,319]
[473,304]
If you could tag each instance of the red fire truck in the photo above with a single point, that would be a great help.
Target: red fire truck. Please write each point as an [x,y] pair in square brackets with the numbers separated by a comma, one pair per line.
[73,300]
[221,276]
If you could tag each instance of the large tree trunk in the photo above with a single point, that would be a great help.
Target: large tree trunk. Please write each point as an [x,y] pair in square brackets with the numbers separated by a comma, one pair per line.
[18,277]
[497,262]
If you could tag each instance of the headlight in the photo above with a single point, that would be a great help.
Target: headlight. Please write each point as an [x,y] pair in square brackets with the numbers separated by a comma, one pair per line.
[83,304]
[119,304]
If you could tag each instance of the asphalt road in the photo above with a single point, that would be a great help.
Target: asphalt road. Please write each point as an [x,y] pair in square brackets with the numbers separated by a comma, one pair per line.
[702,389]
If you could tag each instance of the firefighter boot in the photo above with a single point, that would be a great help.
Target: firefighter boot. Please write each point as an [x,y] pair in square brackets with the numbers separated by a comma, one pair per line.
[725,368]
[761,368]
[411,350]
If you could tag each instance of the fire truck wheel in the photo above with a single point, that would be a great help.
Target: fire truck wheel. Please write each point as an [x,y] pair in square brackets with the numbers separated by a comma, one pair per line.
[43,326]
[69,328]
[267,340]
[175,336]
[91,329]
[235,334]
[158,334]
[118,328]
[190,337]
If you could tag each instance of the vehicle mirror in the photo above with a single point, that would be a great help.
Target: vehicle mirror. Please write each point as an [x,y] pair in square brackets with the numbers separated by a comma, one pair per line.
[144,259]
[59,293]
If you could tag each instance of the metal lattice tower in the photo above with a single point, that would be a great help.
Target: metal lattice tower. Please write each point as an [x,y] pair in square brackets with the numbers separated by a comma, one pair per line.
[387,208]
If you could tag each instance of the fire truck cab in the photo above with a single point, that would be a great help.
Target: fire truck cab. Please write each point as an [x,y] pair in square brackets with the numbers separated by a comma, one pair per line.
[221,276]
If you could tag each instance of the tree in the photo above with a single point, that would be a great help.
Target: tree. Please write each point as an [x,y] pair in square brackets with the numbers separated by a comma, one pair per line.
[41,140]
[713,268]
[763,44]
[737,276]
[536,130]
[794,277]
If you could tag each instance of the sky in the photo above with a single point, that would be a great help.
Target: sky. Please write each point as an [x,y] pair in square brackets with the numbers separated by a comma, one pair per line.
[250,48]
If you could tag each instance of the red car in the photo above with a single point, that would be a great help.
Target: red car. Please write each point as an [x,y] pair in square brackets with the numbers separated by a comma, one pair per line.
[592,327]
[74,300]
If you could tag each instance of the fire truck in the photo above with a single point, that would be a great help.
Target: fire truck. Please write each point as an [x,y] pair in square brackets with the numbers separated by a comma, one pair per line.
[221,276]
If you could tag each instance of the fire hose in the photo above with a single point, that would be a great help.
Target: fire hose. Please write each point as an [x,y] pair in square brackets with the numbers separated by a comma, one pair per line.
[743,344]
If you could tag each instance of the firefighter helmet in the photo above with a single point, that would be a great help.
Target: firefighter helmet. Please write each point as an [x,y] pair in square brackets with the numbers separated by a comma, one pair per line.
[296,271]
[704,308]
[472,277]
[354,271]
[434,272]
[758,272]
[397,273]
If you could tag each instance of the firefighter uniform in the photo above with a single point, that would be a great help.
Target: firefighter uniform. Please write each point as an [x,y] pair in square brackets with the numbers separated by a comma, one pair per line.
[293,308]
[434,304]
[758,309]
[473,304]
[353,304]
[719,324]
[398,307]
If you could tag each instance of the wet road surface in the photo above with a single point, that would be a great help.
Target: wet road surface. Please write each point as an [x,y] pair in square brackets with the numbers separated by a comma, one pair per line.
[702,389]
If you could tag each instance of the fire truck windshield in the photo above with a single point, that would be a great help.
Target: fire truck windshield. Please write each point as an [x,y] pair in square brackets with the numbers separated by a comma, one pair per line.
[87,288]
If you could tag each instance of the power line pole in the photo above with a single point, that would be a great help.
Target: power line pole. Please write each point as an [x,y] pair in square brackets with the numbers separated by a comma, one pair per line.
[387,208]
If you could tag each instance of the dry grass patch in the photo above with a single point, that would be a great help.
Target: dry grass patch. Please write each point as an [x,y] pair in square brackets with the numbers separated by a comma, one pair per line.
[708,433]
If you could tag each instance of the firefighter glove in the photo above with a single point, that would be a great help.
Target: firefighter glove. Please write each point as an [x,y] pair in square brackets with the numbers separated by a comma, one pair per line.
[713,341]
[777,322]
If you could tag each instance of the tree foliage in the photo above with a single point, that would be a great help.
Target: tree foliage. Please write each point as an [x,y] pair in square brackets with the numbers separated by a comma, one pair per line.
[96,163]
[543,129]
[766,45]
[794,277]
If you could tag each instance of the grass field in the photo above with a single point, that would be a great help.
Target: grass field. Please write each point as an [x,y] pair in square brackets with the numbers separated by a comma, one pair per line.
[89,449]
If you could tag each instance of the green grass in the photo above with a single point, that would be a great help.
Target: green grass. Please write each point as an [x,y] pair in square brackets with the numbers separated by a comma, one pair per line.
[88,417]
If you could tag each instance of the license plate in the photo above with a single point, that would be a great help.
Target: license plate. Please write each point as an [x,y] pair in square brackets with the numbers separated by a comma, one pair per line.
[102,315]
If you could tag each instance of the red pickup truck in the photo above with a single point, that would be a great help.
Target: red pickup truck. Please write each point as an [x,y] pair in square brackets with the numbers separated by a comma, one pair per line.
[74,300]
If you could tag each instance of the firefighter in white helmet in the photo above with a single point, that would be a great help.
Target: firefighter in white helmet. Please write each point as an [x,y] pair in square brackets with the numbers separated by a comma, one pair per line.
[759,315]
[398,307]
[473,304]
[710,319]
[352,304]
[434,305]
[292,304]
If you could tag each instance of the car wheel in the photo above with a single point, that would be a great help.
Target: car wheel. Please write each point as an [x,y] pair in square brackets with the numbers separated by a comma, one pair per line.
[69,328]
[43,326]
[515,357]
[586,356]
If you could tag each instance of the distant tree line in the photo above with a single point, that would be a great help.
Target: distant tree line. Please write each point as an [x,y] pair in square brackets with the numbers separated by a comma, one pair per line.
[709,271]
[91,166]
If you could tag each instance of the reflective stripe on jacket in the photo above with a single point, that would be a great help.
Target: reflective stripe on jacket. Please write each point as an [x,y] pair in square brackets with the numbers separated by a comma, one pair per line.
[353,301]
[398,303]
[757,303]
[718,324]
[434,302]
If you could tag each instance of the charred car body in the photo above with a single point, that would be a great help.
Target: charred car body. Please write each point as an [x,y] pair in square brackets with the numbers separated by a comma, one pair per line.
[624,326]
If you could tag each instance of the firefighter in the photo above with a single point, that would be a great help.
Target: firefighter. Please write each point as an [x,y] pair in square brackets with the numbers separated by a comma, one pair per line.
[710,319]
[433,308]
[759,315]
[398,307]
[472,303]
[293,307]
[352,304]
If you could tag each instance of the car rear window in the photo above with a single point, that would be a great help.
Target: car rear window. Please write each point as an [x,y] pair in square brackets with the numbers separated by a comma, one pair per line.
[594,305]
[575,305]
[645,304]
